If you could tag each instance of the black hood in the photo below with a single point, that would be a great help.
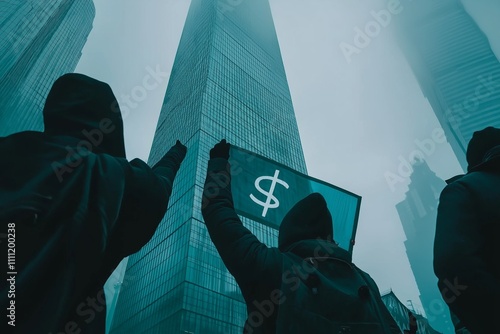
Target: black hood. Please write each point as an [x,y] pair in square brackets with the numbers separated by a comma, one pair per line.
[482,142]
[308,219]
[86,109]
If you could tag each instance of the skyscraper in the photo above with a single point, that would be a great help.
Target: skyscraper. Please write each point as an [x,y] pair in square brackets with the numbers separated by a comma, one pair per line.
[400,313]
[41,40]
[457,70]
[227,81]
[418,216]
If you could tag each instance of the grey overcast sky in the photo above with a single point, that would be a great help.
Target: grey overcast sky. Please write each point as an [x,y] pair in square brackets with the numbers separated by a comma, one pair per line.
[356,120]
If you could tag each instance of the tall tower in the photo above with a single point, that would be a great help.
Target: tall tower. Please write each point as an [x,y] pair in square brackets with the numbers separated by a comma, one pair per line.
[228,81]
[400,314]
[457,70]
[418,214]
[41,40]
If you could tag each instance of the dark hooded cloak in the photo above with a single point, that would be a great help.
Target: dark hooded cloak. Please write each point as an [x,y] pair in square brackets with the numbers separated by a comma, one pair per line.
[467,236]
[77,205]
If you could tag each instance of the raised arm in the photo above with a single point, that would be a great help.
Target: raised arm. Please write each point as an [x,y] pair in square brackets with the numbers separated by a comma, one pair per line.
[147,192]
[166,169]
[243,254]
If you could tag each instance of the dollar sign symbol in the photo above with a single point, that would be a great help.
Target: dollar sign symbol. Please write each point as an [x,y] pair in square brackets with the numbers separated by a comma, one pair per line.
[271,200]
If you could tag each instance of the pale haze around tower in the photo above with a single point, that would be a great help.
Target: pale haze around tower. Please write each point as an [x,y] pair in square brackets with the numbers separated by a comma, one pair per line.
[357,120]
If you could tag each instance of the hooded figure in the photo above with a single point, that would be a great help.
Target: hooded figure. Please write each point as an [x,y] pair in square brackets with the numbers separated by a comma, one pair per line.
[467,240]
[260,271]
[76,206]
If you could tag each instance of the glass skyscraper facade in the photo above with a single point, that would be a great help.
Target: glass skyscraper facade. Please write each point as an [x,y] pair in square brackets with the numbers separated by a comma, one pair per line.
[41,40]
[228,81]
[455,66]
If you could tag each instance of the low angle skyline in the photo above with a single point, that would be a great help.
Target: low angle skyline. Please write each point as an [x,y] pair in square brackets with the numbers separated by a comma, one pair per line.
[361,118]
[367,129]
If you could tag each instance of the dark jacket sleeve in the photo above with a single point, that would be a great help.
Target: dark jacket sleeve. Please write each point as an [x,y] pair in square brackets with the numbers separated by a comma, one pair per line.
[145,202]
[146,193]
[243,254]
[166,169]
[464,279]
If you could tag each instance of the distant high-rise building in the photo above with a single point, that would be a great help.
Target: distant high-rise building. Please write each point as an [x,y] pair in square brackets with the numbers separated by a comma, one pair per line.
[457,70]
[228,81]
[418,212]
[400,313]
[41,40]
